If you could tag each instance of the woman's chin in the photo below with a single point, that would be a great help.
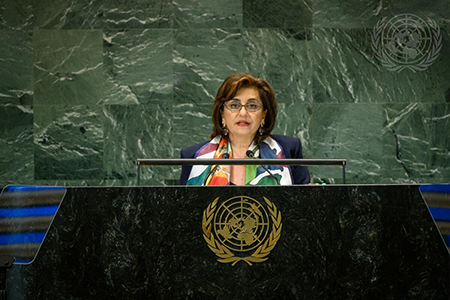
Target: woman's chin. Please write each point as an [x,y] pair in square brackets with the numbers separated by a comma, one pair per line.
[242,134]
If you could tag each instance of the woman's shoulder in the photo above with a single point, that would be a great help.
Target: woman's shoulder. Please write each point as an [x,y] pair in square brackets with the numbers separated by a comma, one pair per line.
[284,139]
[292,147]
[190,151]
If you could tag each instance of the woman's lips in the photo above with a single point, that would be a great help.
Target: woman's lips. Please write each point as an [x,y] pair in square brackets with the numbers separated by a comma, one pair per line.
[242,123]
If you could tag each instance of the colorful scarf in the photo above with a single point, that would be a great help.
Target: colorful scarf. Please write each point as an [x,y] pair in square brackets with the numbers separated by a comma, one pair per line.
[254,175]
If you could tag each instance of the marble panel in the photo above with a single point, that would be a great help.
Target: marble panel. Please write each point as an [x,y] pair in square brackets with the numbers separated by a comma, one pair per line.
[138,66]
[192,124]
[16,144]
[137,14]
[68,142]
[295,119]
[416,143]
[283,58]
[203,58]
[438,154]
[16,14]
[138,131]
[351,132]
[366,13]
[345,70]
[138,59]
[63,14]
[68,67]
[207,14]
[279,14]
[16,65]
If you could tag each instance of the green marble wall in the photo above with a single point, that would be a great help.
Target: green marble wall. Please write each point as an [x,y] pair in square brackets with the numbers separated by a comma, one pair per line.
[88,86]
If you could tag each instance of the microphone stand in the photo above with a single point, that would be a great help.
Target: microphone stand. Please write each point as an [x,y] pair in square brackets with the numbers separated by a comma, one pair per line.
[251,155]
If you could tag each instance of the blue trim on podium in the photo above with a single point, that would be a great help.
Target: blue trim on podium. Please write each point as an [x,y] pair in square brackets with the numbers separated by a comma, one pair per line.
[440,214]
[22,238]
[21,188]
[28,211]
[435,188]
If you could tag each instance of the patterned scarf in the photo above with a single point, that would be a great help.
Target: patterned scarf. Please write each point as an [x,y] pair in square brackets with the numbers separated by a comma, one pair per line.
[254,175]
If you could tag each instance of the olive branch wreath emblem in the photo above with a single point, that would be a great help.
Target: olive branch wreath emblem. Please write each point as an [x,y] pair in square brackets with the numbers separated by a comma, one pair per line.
[224,254]
[391,64]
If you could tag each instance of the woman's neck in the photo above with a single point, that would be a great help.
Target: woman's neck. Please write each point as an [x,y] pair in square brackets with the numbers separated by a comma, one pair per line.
[240,146]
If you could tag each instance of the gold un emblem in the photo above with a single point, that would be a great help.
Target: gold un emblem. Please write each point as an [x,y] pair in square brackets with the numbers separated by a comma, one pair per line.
[241,229]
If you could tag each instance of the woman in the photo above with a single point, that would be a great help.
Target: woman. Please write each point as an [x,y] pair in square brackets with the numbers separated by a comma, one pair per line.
[244,114]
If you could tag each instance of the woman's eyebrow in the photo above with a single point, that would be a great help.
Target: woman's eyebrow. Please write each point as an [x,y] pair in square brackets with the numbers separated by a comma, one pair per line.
[247,100]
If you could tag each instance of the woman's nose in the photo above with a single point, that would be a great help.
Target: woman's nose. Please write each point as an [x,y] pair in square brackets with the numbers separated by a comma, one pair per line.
[243,110]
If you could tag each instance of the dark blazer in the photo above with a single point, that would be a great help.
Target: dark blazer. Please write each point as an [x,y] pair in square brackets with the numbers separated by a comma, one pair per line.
[292,148]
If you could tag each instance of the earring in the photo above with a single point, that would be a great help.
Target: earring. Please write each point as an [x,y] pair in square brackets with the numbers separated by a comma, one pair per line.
[225,129]
[261,130]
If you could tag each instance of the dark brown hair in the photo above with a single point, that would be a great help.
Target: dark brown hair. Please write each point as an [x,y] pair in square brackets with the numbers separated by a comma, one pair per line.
[228,90]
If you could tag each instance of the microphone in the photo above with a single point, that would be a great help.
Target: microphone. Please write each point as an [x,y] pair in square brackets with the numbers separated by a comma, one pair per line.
[250,154]
[224,156]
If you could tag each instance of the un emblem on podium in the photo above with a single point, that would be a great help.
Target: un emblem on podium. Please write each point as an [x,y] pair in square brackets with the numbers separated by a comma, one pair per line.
[241,229]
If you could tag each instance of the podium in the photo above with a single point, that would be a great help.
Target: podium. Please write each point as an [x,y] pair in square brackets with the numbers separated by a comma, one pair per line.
[334,242]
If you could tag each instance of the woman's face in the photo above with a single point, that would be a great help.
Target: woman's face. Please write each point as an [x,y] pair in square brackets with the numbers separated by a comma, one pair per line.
[243,124]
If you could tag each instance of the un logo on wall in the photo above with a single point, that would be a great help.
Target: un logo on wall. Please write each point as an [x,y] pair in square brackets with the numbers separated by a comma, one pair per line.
[406,42]
[241,229]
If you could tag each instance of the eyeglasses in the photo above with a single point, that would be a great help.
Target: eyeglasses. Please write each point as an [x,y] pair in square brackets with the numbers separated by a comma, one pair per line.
[234,105]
